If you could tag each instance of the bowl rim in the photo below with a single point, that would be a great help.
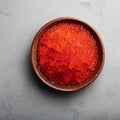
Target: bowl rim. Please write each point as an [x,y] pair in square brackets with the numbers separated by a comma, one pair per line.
[41,77]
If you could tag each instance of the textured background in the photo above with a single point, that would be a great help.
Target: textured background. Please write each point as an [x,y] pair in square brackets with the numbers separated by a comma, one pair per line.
[22,96]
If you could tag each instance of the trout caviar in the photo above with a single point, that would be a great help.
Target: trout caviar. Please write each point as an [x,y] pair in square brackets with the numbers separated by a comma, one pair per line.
[67,54]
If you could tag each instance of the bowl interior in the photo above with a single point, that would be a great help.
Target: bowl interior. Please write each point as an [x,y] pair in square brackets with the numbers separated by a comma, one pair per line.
[34,54]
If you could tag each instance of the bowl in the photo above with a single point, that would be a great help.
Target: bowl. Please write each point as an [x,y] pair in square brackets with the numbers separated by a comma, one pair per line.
[34,58]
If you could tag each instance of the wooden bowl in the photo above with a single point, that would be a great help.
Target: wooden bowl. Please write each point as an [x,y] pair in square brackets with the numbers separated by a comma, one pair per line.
[100,52]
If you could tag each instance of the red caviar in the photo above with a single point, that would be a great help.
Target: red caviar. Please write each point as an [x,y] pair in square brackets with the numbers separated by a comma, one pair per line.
[67,53]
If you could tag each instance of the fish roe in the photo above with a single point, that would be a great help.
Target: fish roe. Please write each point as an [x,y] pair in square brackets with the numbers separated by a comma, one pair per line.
[67,54]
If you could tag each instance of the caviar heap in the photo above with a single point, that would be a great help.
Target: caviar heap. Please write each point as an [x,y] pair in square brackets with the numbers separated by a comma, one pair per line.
[67,54]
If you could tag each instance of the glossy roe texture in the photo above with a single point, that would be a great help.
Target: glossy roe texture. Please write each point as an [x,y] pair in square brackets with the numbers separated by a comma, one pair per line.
[67,54]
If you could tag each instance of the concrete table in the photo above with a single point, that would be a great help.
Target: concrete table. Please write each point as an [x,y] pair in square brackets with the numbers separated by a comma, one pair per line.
[22,96]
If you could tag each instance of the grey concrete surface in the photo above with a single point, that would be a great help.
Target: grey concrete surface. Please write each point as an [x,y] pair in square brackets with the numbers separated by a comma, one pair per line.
[22,96]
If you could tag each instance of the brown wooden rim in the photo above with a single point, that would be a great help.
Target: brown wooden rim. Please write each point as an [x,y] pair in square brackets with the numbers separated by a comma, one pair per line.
[64,89]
